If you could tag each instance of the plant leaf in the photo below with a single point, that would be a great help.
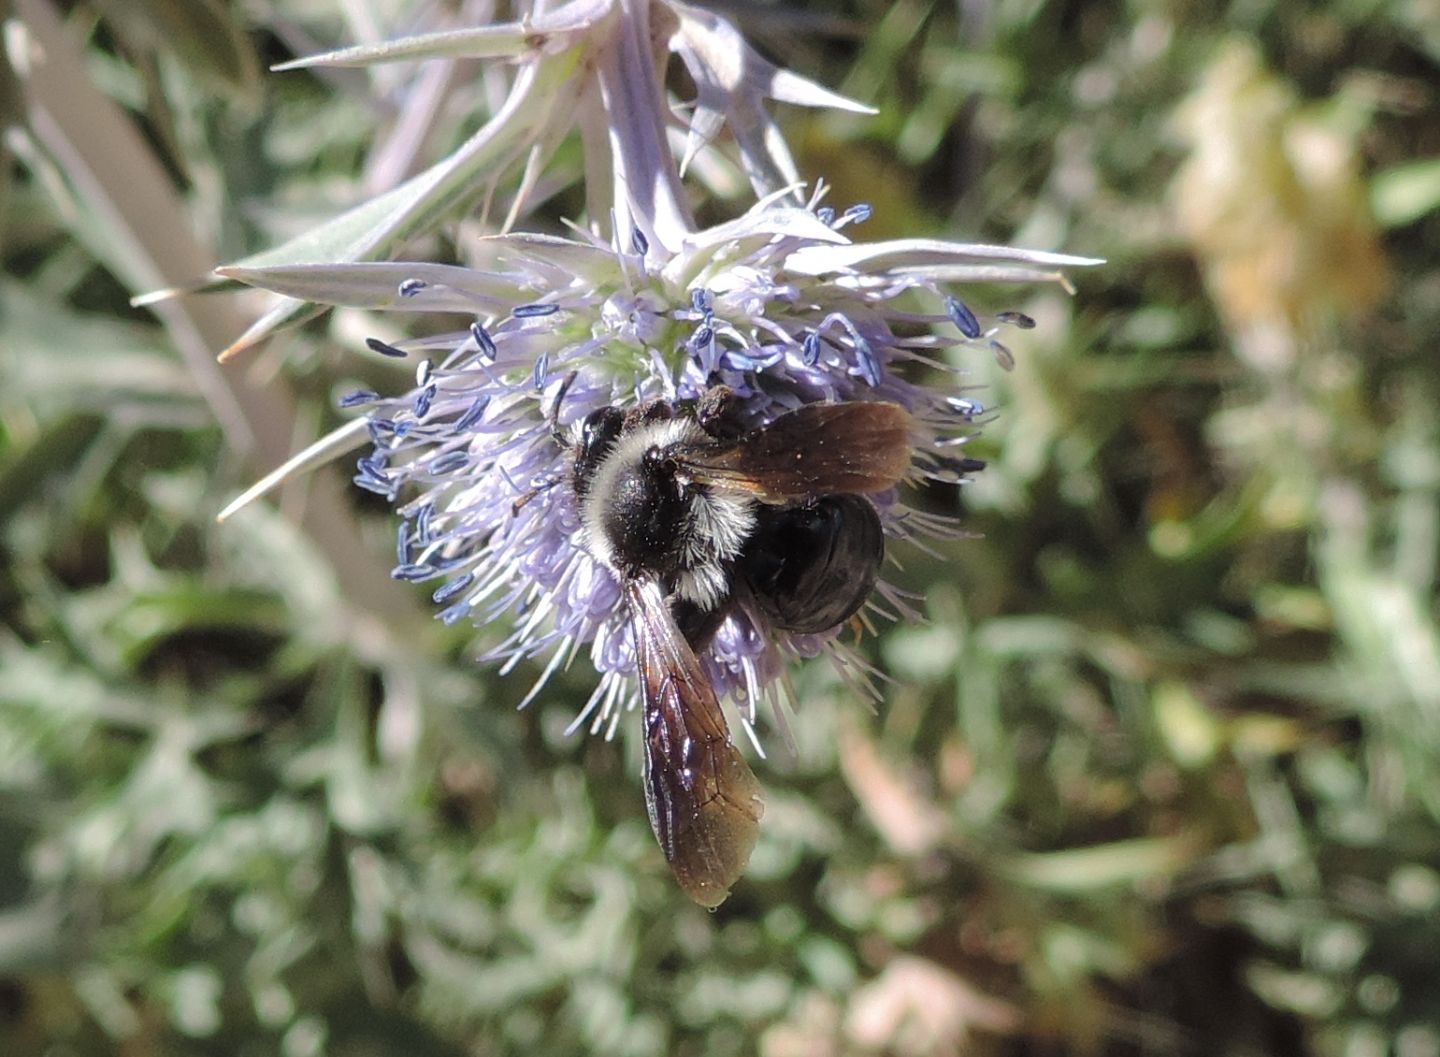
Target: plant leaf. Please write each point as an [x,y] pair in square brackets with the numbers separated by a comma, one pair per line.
[551,32]
[375,228]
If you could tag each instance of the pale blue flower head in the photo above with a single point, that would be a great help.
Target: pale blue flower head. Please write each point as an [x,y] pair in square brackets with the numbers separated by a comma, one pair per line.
[780,305]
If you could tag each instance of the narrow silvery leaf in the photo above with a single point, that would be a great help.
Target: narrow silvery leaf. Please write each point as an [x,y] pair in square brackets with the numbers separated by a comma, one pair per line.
[786,86]
[327,449]
[736,66]
[400,212]
[373,228]
[573,258]
[732,82]
[545,33]
[978,273]
[382,285]
[789,222]
[816,260]
[286,310]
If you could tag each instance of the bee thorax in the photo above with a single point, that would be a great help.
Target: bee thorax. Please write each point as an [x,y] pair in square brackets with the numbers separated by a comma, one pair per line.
[643,515]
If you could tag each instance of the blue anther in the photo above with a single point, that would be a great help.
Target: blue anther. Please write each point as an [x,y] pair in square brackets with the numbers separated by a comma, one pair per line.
[962,317]
[483,341]
[384,349]
[453,588]
[472,416]
[866,361]
[451,460]
[358,397]
[810,349]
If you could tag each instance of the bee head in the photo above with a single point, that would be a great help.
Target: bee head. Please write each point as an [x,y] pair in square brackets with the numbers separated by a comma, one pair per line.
[596,435]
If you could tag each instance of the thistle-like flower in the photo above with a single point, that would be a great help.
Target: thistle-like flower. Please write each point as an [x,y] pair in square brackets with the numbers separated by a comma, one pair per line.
[779,305]
[566,340]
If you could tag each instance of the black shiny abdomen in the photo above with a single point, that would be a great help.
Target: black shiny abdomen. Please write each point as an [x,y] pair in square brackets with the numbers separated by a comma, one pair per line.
[809,568]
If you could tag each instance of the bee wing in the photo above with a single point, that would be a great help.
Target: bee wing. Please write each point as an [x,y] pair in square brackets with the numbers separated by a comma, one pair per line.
[703,799]
[819,449]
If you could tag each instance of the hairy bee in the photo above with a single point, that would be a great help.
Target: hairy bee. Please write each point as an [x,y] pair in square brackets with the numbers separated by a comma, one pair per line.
[695,516]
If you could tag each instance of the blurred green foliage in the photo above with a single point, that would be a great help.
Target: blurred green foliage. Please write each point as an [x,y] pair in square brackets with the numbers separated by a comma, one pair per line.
[1160,775]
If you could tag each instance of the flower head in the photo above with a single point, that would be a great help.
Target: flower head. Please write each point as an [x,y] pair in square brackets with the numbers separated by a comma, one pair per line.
[547,470]
[779,305]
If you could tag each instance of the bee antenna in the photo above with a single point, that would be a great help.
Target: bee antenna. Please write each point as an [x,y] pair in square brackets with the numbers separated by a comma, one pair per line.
[555,430]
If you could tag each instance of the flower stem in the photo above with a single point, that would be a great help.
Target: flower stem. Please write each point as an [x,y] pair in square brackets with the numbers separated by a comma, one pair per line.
[649,198]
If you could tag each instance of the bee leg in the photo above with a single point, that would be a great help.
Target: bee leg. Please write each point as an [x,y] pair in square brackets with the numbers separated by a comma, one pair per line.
[718,413]
[562,440]
[697,625]
[648,413]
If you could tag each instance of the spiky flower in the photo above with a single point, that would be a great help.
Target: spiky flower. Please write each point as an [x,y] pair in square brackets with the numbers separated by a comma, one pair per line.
[780,305]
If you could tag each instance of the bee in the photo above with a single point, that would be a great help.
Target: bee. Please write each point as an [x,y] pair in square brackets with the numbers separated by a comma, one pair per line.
[696,515]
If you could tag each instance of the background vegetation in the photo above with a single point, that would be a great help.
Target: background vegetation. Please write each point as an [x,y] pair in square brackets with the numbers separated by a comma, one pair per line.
[1161,775]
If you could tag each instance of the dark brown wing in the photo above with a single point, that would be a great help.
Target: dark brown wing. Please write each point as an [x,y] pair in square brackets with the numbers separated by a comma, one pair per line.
[819,449]
[703,799]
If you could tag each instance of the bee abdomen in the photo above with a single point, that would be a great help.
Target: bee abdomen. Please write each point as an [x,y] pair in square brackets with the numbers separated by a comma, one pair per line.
[811,567]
